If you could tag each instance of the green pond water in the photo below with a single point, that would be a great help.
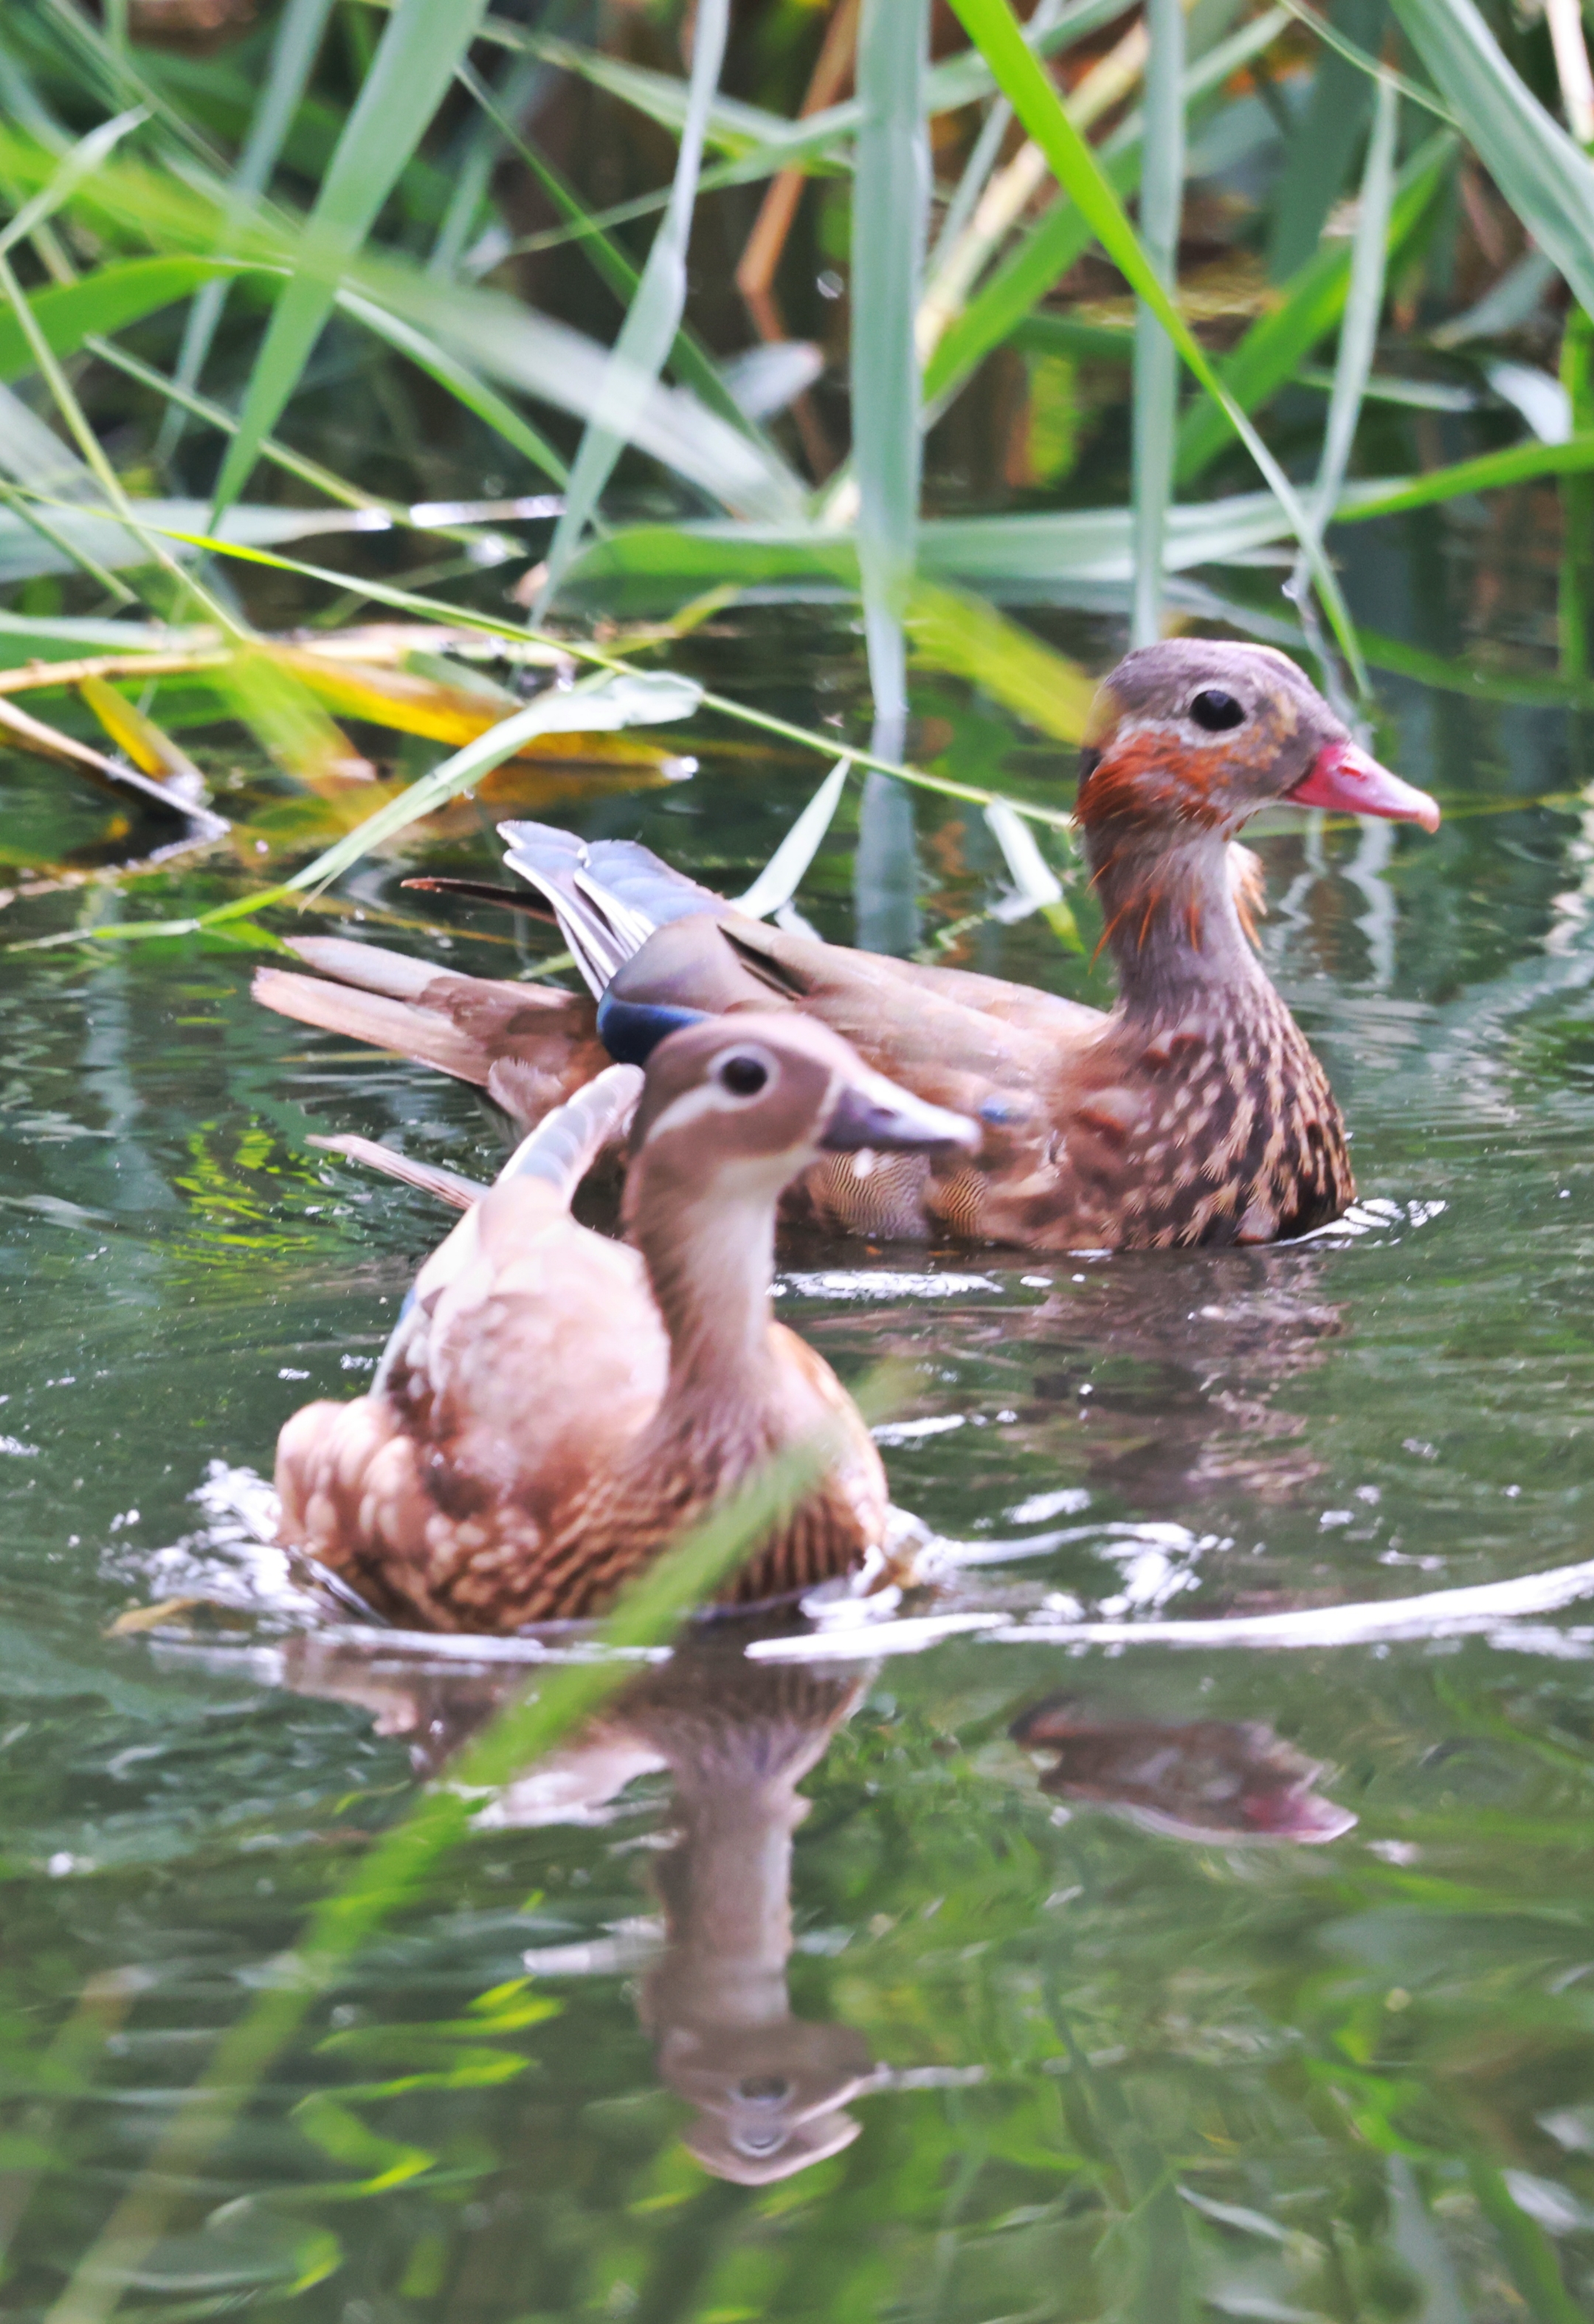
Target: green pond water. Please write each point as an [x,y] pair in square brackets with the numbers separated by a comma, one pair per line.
[1103,1977]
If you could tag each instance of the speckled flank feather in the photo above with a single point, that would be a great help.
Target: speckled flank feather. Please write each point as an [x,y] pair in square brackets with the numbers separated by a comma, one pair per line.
[553,1408]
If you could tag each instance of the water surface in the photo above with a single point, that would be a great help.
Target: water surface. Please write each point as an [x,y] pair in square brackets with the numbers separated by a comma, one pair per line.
[1096,1979]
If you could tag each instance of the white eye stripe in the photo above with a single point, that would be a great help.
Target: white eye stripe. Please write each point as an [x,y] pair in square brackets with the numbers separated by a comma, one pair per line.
[708,1097]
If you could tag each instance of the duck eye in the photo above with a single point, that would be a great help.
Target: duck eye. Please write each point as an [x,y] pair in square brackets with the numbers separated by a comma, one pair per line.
[1216,711]
[742,1076]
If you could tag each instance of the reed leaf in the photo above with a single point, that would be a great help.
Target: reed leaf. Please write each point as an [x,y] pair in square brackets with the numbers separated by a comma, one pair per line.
[1063,234]
[114,295]
[598,705]
[1364,301]
[1547,180]
[293,54]
[783,874]
[1156,367]
[653,318]
[408,79]
[955,632]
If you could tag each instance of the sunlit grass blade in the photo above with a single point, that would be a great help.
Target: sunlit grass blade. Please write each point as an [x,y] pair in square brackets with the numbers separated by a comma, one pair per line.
[1156,367]
[414,65]
[1276,344]
[1543,174]
[653,318]
[122,292]
[1364,303]
[67,175]
[152,752]
[1063,234]
[687,360]
[783,874]
[293,53]
[598,705]
[1035,886]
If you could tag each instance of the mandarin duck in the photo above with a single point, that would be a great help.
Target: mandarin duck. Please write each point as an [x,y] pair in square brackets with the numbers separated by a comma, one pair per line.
[1193,1111]
[553,1408]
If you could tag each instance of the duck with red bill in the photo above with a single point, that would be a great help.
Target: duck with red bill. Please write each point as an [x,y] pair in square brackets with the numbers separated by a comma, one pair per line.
[1193,1111]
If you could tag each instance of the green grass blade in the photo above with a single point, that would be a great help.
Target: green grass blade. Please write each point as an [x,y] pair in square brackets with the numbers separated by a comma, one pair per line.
[992,25]
[1157,363]
[293,56]
[1278,343]
[1063,234]
[1328,129]
[1521,465]
[1546,179]
[1353,54]
[783,874]
[890,202]
[653,318]
[67,172]
[687,360]
[955,632]
[114,295]
[451,371]
[420,46]
[1364,303]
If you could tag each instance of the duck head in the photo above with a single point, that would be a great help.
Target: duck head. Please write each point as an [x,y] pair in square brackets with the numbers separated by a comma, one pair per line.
[1191,736]
[742,1104]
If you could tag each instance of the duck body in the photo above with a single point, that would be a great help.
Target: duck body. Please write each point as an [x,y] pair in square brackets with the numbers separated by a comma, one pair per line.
[553,1408]
[1193,1113]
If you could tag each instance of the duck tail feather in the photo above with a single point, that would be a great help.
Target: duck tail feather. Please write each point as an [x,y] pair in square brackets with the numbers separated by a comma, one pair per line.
[563,1147]
[378,1019]
[450,1186]
[608,897]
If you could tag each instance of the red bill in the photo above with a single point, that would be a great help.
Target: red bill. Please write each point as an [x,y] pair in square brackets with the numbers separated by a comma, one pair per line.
[1344,778]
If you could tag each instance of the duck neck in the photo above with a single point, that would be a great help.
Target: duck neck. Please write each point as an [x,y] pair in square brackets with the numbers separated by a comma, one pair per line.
[1171,921]
[710,1254]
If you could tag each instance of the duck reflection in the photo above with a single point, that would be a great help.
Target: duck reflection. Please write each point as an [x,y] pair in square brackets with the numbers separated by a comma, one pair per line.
[1171,1371]
[1209,1779]
[768,2090]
